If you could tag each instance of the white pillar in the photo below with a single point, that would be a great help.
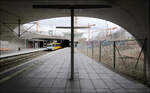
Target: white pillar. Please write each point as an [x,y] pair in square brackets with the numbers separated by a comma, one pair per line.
[25,43]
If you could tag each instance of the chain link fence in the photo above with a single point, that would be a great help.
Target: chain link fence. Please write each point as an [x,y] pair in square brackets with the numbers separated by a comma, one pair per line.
[125,56]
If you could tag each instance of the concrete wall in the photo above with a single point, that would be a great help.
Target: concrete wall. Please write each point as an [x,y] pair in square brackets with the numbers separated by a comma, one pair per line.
[11,41]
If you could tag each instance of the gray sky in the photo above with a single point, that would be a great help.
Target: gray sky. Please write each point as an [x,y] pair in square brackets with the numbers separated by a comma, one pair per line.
[51,24]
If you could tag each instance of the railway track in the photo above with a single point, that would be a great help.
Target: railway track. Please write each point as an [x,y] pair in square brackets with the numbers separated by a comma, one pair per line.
[10,62]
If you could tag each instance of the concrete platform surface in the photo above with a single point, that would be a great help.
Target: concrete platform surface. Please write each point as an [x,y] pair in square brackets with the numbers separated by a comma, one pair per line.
[17,52]
[52,72]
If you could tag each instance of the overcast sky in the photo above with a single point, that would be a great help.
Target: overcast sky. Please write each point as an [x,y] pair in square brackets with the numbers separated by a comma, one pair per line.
[51,24]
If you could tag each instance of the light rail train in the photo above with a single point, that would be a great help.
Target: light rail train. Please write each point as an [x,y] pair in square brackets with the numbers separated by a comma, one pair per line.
[54,46]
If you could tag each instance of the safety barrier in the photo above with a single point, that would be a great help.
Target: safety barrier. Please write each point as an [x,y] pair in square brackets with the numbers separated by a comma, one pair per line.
[125,56]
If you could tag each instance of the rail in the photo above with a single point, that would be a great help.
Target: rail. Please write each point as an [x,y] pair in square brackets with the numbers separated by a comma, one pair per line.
[12,61]
[20,53]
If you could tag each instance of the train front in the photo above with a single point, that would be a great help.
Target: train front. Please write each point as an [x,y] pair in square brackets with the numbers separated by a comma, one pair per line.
[50,47]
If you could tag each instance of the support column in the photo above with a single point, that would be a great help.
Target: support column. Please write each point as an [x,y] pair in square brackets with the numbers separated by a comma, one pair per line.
[39,44]
[145,62]
[25,43]
[148,53]
[72,43]
[19,23]
[43,44]
[87,49]
[92,49]
[114,59]
[100,51]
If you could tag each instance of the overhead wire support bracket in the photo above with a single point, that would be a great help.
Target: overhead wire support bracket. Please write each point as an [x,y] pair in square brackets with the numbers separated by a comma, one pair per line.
[6,25]
[72,8]
[19,25]
[19,34]
[26,30]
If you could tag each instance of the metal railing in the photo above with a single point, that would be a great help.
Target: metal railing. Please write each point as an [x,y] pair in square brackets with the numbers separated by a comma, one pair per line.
[125,56]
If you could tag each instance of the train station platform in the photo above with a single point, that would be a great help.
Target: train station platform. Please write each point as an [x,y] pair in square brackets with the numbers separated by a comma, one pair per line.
[50,73]
[5,54]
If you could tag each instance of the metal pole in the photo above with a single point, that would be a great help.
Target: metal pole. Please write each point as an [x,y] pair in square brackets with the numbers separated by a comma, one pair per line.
[25,43]
[114,59]
[72,43]
[92,49]
[87,50]
[19,23]
[99,51]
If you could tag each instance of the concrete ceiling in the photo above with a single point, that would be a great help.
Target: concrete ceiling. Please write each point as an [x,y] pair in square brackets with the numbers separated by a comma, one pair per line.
[129,14]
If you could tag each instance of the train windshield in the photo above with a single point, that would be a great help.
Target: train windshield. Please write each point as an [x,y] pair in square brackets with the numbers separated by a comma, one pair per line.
[56,44]
[50,45]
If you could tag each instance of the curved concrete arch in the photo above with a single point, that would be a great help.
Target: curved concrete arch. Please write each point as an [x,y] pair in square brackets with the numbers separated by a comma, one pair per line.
[117,14]
[133,15]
